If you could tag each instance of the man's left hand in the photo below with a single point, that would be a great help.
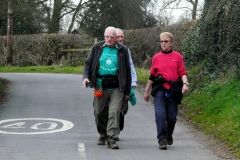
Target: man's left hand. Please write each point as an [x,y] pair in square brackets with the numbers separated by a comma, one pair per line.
[126,98]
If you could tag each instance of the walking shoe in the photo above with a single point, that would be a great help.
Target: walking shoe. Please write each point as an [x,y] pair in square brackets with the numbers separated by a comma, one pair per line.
[116,139]
[112,144]
[163,145]
[169,140]
[101,141]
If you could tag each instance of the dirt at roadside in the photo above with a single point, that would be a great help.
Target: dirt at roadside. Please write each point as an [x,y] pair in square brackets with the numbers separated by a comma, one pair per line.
[216,146]
[6,85]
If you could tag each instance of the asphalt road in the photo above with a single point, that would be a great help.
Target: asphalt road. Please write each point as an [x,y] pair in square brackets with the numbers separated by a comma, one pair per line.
[50,117]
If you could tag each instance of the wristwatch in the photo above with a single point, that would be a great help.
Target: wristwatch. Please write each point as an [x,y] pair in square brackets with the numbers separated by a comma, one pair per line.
[186,83]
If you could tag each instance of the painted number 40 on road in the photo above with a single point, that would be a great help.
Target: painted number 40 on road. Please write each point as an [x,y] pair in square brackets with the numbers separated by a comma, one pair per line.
[34,126]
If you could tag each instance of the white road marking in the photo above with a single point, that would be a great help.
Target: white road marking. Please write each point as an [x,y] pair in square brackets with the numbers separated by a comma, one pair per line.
[52,126]
[81,150]
[18,125]
[14,125]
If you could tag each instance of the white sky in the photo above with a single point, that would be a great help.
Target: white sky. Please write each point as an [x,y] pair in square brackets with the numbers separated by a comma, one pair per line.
[178,13]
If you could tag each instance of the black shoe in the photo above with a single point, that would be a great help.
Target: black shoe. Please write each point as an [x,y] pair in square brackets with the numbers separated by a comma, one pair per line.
[169,140]
[163,145]
[101,141]
[112,144]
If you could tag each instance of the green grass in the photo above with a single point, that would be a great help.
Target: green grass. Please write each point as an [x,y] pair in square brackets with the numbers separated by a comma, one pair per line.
[142,75]
[216,109]
[43,69]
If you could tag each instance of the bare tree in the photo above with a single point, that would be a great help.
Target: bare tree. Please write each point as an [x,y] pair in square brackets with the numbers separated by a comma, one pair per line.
[59,10]
[80,5]
[55,14]
[181,4]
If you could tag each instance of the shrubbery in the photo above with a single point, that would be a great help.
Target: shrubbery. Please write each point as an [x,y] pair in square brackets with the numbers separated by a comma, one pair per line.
[214,41]
[43,49]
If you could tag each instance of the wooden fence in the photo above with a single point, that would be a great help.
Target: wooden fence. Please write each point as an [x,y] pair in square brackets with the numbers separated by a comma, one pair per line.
[78,53]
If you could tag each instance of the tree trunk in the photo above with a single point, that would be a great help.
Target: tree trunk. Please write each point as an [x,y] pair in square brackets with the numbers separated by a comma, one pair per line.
[9,33]
[55,22]
[194,11]
[74,16]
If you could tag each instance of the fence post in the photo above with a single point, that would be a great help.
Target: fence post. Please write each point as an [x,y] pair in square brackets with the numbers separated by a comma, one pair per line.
[95,40]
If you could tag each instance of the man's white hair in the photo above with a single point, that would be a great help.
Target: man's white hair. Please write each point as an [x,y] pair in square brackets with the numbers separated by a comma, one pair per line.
[110,28]
[118,29]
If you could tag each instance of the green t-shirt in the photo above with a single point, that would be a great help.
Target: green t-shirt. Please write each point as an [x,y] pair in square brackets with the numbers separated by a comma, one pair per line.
[108,63]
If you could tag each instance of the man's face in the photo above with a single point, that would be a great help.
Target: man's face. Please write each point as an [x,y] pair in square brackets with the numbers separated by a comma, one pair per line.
[110,37]
[120,37]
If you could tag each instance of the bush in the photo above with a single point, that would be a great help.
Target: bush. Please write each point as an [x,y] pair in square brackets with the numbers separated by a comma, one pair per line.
[215,40]
[44,49]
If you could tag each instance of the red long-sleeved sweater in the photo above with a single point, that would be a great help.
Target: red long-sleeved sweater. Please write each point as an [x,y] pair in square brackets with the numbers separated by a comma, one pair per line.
[168,65]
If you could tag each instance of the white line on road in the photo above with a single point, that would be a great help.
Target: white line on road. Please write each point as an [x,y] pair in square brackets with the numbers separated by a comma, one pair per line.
[81,150]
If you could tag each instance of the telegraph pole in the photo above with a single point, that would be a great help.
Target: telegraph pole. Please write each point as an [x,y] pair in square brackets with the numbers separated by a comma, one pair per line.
[9,33]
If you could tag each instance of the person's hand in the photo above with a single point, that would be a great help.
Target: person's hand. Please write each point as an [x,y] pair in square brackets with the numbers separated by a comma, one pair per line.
[146,96]
[126,97]
[85,81]
[185,88]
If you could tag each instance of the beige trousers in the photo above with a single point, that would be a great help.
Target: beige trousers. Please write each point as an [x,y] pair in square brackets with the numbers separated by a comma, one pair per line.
[107,112]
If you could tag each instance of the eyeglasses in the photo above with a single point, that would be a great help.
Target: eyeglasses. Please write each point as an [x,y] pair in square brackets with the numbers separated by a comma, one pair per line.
[164,41]
[111,37]
[120,37]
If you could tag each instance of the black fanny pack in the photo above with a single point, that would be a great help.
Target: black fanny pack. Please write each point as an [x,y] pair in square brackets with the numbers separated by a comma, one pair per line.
[109,82]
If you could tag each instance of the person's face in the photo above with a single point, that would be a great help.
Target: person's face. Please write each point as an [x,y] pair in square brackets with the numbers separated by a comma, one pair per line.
[110,37]
[166,44]
[120,37]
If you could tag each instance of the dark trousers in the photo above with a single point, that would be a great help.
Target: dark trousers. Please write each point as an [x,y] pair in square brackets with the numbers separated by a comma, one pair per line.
[166,111]
[121,122]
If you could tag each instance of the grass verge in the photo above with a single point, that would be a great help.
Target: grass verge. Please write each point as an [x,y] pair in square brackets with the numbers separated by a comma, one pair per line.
[215,109]
[43,69]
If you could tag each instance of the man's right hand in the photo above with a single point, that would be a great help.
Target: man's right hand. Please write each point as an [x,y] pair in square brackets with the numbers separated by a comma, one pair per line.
[85,81]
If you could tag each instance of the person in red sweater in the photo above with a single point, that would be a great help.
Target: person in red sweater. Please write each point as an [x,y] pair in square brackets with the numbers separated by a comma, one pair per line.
[166,72]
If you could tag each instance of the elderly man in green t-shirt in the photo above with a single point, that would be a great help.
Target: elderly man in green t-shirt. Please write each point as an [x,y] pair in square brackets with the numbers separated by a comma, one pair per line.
[108,72]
